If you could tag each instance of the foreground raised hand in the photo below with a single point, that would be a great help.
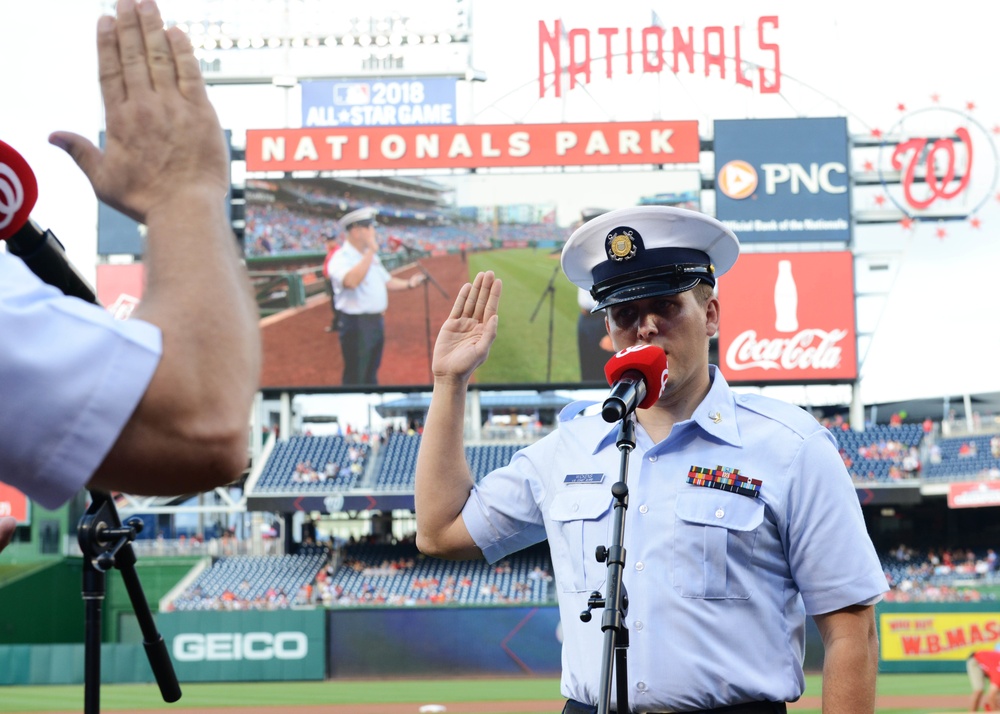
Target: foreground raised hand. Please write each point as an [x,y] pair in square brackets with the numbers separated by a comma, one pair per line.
[163,137]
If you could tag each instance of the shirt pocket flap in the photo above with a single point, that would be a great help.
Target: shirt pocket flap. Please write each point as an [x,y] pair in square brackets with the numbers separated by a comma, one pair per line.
[721,509]
[580,505]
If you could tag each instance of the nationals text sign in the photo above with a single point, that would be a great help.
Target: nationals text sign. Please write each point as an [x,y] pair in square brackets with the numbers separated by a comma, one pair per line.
[478,146]
[788,317]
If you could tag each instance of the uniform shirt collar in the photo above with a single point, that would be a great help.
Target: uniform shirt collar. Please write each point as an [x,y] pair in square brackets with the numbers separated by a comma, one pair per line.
[716,415]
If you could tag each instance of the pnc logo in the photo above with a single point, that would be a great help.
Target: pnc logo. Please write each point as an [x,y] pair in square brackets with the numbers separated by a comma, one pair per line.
[737,179]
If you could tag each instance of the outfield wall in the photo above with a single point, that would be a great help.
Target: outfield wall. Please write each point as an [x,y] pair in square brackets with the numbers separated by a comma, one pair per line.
[317,644]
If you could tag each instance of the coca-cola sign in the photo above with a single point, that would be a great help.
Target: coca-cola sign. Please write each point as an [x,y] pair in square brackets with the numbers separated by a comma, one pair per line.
[788,317]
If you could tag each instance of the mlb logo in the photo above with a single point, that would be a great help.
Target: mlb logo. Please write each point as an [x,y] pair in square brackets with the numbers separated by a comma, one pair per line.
[352,94]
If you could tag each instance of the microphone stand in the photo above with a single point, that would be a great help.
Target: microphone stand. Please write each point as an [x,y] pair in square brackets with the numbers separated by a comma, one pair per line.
[107,544]
[427,312]
[615,654]
[550,293]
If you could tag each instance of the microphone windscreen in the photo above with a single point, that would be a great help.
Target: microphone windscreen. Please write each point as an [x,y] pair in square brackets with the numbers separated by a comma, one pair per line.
[18,191]
[650,360]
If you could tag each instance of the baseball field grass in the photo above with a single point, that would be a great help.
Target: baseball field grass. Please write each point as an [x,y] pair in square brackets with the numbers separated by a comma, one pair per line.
[928,692]
[520,353]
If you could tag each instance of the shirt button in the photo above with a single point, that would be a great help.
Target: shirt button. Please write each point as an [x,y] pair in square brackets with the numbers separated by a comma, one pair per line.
[719,513]
[653,457]
[576,507]
[644,508]
[638,625]
[641,686]
[640,565]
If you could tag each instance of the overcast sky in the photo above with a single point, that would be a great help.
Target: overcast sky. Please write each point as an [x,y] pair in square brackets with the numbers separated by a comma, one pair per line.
[873,62]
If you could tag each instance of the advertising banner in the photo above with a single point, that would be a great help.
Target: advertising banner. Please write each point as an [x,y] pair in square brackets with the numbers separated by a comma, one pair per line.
[936,636]
[119,287]
[783,180]
[472,146]
[974,495]
[789,317]
[249,645]
[15,504]
[444,641]
[382,102]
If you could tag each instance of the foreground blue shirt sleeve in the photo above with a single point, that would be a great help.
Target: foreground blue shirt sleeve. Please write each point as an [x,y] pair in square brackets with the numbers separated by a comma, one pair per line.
[70,378]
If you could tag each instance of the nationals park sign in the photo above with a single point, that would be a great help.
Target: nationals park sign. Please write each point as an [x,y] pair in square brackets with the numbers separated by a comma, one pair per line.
[472,146]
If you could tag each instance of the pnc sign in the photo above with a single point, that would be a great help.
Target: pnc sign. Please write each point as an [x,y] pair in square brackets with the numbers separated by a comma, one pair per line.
[783,180]
[789,317]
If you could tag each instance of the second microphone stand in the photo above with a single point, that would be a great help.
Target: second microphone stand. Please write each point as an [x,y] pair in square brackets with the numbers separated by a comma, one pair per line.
[107,544]
[548,294]
[614,659]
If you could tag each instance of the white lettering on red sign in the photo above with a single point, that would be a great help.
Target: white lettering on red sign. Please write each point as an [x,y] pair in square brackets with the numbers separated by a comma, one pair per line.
[807,349]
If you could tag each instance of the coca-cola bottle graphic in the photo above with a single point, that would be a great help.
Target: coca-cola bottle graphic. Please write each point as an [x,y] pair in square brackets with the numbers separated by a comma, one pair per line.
[786,299]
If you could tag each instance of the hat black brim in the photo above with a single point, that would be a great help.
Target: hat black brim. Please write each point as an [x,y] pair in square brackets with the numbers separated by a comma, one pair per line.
[647,289]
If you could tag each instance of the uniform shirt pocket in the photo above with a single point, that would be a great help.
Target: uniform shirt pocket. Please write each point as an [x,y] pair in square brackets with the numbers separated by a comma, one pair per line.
[714,538]
[581,524]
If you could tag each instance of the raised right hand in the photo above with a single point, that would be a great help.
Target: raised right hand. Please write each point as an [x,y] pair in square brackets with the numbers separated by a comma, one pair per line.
[467,335]
[163,137]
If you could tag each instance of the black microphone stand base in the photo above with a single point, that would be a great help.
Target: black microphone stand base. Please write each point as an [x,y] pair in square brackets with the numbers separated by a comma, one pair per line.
[107,544]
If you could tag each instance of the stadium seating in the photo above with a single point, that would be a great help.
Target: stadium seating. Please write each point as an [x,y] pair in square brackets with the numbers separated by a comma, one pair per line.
[400,461]
[253,581]
[280,474]
[400,575]
[889,444]
[955,466]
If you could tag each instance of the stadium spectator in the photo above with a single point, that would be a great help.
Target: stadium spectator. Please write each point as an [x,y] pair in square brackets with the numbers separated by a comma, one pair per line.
[157,404]
[981,667]
[360,283]
[654,269]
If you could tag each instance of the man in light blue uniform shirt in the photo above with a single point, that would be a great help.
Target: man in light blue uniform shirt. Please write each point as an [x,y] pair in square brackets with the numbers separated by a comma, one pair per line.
[742,518]
[159,404]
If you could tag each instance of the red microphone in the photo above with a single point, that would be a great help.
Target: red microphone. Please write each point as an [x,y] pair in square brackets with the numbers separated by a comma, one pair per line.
[638,376]
[40,250]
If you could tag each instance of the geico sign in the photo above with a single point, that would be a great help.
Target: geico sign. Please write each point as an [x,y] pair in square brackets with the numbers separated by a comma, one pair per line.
[814,179]
[229,646]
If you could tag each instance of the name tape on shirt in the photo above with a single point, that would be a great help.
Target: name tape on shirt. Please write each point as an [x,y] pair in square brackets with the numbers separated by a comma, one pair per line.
[584,478]
[726,479]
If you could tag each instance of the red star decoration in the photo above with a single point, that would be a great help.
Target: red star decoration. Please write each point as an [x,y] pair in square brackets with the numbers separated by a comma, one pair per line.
[907,223]
[869,166]
[879,200]
[970,106]
[996,129]
[998,196]
[975,222]
[935,97]
[941,233]
[901,107]
[877,133]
